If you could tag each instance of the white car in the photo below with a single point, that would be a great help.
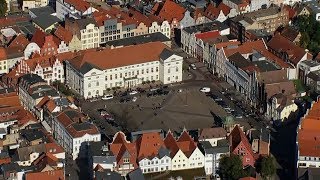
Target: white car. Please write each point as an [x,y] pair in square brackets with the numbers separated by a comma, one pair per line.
[205,89]
[107,97]
[193,66]
[134,99]
[133,92]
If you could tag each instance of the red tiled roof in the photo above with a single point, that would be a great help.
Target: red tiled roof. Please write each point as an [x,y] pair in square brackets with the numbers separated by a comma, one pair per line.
[47,175]
[238,136]
[70,122]
[63,34]
[171,143]
[24,117]
[281,45]
[3,53]
[224,8]
[38,37]
[148,145]
[129,55]
[308,134]
[19,40]
[212,12]
[292,12]
[10,21]
[139,17]
[79,5]
[246,48]
[121,146]
[43,102]
[171,10]
[186,144]
[53,148]
[208,35]
[226,44]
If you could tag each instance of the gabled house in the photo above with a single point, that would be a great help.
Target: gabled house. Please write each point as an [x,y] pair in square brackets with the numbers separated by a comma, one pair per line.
[219,13]
[170,11]
[152,155]
[240,146]
[48,44]
[125,152]
[184,152]
[288,51]
[86,30]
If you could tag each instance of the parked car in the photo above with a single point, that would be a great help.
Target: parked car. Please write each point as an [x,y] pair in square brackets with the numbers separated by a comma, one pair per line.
[134,99]
[205,89]
[216,98]
[193,66]
[107,97]
[133,92]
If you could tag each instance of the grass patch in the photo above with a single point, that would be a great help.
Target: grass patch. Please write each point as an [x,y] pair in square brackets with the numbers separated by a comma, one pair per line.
[185,174]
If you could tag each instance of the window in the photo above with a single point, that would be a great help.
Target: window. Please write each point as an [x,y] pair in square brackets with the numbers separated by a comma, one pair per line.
[89,85]
[110,77]
[142,71]
[157,69]
[176,77]
[89,93]
[147,70]
[126,160]
[125,74]
[152,70]
[97,92]
[177,69]
[120,75]
[168,78]
[137,72]
[169,70]
[115,76]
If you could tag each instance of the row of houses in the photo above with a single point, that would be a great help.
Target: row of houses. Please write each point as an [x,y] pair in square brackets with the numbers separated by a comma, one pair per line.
[155,151]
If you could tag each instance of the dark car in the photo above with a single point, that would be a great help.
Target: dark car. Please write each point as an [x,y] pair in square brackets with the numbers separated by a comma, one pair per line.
[124,94]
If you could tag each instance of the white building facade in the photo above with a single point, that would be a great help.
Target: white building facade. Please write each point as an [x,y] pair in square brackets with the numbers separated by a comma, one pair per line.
[93,82]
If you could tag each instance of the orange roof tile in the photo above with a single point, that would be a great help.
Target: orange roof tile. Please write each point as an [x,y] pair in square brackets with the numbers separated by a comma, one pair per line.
[226,44]
[79,5]
[211,12]
[186,144]
[281,45]
[224,8]
[171,10]
[238,136]
[129,55]
[246,48]
[171,144]
[3,53]
[63,34]
[53,148]
[19,40]
[38,37]
[208,35]
[47,175]
[148,145]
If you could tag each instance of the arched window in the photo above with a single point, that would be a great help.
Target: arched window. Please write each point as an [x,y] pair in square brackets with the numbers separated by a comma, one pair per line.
[89,93]
[97,83]
[89,85]
[97,92]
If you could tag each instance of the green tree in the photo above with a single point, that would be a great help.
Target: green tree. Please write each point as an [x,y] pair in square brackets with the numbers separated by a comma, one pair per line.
[3,7]
[268,168]
[231,167]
